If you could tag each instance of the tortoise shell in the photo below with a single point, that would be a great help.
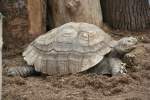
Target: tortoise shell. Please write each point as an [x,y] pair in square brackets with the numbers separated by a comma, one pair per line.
[70,48]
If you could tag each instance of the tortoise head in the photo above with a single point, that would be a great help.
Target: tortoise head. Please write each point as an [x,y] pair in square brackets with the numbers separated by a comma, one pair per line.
[126,45]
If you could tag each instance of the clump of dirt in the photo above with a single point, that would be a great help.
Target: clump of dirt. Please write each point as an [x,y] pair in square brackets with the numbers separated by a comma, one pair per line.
[14,80]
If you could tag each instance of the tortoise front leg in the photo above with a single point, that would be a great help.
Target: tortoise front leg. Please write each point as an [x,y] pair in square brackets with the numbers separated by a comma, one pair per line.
[117,66]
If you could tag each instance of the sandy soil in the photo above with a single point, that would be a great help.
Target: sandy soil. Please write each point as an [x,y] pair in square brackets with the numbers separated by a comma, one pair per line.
[133,86]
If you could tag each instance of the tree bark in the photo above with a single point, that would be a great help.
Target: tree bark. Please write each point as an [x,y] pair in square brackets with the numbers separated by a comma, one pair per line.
[131,15]
[64,11]
[37,16]
[1,43]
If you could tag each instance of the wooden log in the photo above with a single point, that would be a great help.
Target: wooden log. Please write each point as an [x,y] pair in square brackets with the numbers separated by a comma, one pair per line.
[133,15]
[37,16]
[1,44]
[64,11]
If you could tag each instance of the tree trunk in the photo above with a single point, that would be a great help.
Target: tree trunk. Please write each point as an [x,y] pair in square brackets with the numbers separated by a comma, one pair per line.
[64,11]
[37,16]
[131,15]
[1,43]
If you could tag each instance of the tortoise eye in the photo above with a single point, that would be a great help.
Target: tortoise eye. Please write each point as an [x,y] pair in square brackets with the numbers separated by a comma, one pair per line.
[129,40]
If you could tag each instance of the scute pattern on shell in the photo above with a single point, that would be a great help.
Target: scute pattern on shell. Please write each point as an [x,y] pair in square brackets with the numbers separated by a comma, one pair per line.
[70,48]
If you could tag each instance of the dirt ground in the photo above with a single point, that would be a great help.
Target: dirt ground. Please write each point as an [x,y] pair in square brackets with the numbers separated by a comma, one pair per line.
[133,86]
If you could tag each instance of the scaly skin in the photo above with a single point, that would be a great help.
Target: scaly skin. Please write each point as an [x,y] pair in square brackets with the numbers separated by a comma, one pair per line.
[124,47]
[22,71]
[112,63]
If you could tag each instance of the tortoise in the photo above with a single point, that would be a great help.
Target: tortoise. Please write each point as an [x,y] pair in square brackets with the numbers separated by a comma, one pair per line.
[73,48]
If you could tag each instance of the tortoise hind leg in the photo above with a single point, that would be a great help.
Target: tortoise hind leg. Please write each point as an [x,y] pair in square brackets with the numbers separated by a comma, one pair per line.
[22,71]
